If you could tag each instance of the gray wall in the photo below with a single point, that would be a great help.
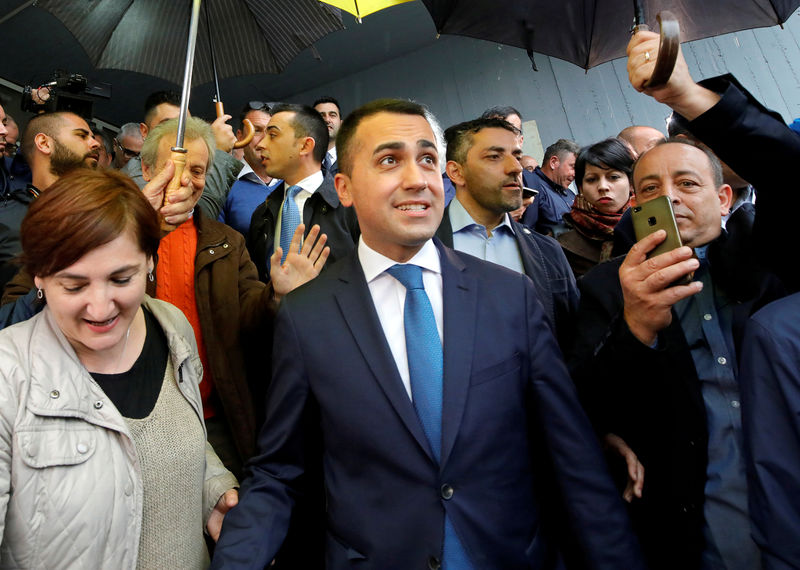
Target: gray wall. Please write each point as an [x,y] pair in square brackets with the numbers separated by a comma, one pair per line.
[460,77]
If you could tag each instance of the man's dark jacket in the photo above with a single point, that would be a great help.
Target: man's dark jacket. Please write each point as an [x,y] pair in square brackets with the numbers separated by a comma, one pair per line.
[652,397]
[322,207]
[544,262]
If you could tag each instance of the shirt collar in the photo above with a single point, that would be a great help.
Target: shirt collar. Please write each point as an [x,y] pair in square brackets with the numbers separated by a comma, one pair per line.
[310,183]
[332,154]
[247,173]
[460,218]
[374,263]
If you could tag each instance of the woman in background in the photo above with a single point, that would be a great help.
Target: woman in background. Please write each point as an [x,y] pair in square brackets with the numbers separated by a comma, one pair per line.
[603,175]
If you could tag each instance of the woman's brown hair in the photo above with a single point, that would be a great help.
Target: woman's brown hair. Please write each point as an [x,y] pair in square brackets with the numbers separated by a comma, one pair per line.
[80,212]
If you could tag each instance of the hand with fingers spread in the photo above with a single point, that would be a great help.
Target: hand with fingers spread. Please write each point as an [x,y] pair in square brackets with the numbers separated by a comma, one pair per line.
[634,467]
[647,287]
[302,263]
[223,133]
[681,92]
[179,204]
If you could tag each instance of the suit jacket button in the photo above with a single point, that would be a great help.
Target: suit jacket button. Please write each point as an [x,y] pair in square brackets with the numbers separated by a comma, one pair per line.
[434,563]
[447,492]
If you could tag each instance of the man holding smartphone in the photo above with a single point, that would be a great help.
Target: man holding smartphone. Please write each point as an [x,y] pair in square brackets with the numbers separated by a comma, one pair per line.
[657,362]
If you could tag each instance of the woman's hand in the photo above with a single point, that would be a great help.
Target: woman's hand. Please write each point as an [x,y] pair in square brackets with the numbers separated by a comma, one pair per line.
[226,502]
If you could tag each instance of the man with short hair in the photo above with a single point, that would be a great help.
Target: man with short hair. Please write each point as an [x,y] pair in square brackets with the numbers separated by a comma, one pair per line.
[483,163]
[127,144]
[292,150]
[13,207]
[253,184]
[435,369]
[641,138]
[164,105]
[657,361]
[552,180]
[529,163]
[330,111]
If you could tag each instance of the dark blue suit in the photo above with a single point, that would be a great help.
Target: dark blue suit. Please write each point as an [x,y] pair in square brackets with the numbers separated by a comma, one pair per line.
[770,384]
[335,386]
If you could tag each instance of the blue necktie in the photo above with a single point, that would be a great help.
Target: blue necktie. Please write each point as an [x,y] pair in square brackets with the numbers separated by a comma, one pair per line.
[426,371]
[290,219]
[326,163]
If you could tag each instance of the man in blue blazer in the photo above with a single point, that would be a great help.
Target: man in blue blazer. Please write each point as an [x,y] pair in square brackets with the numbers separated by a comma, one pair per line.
[483,161]
[422,399]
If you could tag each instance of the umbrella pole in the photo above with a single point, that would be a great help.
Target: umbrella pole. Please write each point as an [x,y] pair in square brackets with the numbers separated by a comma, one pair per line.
[178,151]
[247,126]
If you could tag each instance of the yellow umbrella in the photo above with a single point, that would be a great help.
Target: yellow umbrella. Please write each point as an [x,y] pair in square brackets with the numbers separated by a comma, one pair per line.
[359,8]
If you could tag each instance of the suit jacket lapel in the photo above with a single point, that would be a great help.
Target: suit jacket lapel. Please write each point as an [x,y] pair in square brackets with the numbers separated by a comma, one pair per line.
[359,313]
[460,307]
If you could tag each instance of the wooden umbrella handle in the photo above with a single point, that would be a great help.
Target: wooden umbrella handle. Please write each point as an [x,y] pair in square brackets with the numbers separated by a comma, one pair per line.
[668,49]
[248,130]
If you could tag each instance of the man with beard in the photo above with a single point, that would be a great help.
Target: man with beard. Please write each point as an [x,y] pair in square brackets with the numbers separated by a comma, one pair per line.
[483,161]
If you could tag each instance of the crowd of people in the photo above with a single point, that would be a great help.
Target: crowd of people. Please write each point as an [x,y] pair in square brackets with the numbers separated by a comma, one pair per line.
[362,341]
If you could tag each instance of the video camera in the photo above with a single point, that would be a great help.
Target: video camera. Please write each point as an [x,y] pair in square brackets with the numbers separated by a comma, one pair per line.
[65,92]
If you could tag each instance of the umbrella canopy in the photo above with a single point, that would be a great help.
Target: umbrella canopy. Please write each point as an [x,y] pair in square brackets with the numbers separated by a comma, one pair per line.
[361,8]
[149,36]
[588,33]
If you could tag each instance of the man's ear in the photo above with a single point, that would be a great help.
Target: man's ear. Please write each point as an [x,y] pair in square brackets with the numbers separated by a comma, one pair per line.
[725,193]
[342,183]
[44,143]
[307,147]
[633,199]
[455,172]
[143,130]
[554,163]
[147,174]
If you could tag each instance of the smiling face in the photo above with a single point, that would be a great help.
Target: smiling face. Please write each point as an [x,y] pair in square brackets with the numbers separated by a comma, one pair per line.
[95,300]
[490,180]
[606,189]
[196,163]
[684,173]
[395,184]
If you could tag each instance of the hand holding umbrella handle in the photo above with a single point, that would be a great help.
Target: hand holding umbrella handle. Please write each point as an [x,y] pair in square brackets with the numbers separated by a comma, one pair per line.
[247,127]
[668,48]
[178,158]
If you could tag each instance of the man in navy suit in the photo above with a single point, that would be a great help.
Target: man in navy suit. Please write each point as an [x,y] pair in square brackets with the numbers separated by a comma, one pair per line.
[483,161]
[425,466]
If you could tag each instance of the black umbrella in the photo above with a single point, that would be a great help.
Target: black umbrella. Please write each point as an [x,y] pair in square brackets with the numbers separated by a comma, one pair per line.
[149,36]
[588,33]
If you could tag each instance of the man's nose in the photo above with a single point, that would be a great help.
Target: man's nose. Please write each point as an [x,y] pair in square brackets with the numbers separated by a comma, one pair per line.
[513,165]
[413,176]
[93,144]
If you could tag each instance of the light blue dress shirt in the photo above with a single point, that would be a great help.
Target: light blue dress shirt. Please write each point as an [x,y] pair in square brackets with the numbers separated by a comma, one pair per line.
[472,238]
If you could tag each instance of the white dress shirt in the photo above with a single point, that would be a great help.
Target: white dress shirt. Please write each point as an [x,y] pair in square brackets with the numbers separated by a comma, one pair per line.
[389,297]
[309,185]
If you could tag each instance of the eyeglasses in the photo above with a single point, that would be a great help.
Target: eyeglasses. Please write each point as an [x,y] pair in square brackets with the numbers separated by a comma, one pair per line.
[258,106]
[126,151]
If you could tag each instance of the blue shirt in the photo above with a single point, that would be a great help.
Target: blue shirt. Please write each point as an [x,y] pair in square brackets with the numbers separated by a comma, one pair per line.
[472,238]
[243,199]
[706,320]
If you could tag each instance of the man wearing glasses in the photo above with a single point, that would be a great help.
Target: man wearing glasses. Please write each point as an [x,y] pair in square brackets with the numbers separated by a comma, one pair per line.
[127,145]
